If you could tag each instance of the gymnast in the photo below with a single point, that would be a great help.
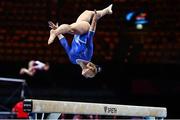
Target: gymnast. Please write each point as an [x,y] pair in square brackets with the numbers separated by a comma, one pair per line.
[33,67]
[81,50]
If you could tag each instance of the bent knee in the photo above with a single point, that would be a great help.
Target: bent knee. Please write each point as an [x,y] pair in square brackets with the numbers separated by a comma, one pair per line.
[87,12]
[80,27]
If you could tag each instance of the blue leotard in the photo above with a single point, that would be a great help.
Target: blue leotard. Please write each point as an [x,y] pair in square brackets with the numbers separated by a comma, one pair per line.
[80,48]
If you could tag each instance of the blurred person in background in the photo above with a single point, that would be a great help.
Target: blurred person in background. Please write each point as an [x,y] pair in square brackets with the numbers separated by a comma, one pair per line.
[33,67]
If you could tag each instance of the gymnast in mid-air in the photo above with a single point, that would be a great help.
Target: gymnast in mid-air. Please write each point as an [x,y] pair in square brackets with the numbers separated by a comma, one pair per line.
[81,49]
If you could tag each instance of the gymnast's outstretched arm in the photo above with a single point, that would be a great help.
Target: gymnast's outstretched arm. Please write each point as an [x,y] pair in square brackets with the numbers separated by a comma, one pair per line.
[26,71]
[94,22]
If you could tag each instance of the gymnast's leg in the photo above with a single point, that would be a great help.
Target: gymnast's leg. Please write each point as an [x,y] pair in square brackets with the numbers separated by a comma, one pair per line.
[88,14]
[81,25]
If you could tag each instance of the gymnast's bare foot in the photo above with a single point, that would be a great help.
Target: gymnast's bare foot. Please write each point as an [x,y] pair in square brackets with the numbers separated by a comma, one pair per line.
[109,9]
[52,37]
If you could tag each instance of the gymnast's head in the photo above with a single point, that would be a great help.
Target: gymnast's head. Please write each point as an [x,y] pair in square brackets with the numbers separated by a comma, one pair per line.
[89,69]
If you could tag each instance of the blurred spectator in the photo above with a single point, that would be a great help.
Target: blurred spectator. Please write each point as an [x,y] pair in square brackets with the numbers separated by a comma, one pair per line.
[33,67]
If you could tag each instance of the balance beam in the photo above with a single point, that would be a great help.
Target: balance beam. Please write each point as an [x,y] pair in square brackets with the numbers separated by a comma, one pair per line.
[67,107]
[12,80]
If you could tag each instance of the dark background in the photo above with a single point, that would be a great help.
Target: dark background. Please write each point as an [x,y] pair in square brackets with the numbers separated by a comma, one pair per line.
[139,67]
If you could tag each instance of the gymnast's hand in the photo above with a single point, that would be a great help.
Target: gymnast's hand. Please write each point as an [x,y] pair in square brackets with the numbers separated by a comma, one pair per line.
[22,71]
[52,25]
